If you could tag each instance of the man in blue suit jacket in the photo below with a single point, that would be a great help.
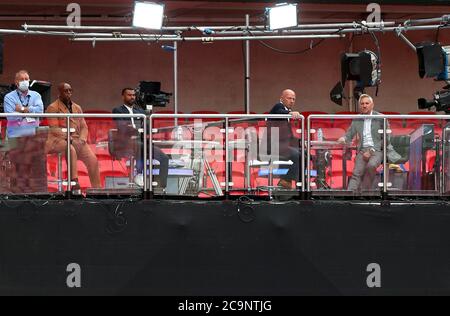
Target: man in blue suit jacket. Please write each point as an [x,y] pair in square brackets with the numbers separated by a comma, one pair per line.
[287,150]
[128,127]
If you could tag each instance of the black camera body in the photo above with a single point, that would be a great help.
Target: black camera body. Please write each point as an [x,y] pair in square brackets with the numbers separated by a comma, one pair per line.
[441,101]
[149,94]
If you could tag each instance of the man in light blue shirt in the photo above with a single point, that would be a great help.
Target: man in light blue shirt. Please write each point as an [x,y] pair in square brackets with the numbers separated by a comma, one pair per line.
[22,100]
[26,154]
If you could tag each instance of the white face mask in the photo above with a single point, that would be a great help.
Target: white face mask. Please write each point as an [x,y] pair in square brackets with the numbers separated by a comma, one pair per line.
[24,85]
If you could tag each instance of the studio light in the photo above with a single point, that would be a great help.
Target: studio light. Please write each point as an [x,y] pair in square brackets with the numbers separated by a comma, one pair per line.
[434,61]
[363,68]
[282,16]
[148,15]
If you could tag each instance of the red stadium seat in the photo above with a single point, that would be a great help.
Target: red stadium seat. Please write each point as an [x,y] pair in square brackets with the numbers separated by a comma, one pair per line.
[317,123]
[94,111]
[343,123]
[308,113]
[243,124]
[206,113]
[417,122]
[84,182]
[332,133]
[394,123]
[237,177]
[166,122]
[240,112]
[110,165]
[98,129]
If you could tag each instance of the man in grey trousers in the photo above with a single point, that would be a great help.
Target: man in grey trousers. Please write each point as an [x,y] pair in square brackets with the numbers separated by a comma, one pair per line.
[370,147]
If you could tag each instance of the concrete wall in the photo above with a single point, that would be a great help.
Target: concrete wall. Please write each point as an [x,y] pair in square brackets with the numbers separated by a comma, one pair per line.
[211,76]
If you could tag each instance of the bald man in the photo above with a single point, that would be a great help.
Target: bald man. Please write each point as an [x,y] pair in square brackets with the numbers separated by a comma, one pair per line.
[288,144]
[286,104]
[79,149]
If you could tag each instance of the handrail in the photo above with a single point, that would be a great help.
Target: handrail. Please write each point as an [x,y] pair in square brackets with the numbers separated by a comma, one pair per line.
[227,121]
[237,116]
[72,115]
[388,116]
[68,116]
[385,119]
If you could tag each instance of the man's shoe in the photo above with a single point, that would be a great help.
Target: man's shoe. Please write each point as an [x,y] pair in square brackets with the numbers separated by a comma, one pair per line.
[76,189]
[285,184]
[139,180]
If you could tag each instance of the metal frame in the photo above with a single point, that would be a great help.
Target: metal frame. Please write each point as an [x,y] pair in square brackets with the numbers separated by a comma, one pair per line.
[385,132]
[305,179]
[68,131]
[226,119]
[245,33]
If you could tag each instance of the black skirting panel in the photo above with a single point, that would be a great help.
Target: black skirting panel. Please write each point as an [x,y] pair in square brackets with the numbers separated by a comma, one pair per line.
[218,248]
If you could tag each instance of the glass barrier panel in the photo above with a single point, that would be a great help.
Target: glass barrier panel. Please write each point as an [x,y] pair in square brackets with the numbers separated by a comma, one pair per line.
[415,157]
[25,159]
[343,161]
[111,160]
[194,152]
[265,156]
[446,158]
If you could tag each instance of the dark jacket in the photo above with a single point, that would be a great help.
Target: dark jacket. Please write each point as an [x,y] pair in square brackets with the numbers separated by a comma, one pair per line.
[283,128]
[124,125]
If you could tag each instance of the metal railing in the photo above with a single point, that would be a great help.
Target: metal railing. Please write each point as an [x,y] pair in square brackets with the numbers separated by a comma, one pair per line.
[68,130]
[227,120]
[385,133]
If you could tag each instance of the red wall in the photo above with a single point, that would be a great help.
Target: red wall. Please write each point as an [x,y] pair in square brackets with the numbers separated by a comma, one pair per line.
[211,76]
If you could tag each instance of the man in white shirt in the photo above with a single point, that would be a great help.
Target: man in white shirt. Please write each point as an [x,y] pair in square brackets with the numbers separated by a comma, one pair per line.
[370,148]
[127,128]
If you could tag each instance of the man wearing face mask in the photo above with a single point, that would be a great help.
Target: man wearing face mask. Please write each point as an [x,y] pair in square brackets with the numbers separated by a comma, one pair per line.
[26,155]
[22,100]
[79,149]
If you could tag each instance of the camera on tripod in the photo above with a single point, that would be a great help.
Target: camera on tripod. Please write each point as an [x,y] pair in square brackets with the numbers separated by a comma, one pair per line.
[434,62]
[441,101]
[149,95]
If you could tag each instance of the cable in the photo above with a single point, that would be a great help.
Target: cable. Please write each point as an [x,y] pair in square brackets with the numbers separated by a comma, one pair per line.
[312,46]
[245,209]
[377,44]
[437,33]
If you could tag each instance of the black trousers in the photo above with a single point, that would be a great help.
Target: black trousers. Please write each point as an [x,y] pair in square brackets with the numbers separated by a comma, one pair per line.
[163,164]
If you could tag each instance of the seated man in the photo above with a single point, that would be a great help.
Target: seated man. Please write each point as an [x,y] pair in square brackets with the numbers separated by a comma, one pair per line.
[128,127]
[79,149]
[287,150]
[370,147]
[27,156]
